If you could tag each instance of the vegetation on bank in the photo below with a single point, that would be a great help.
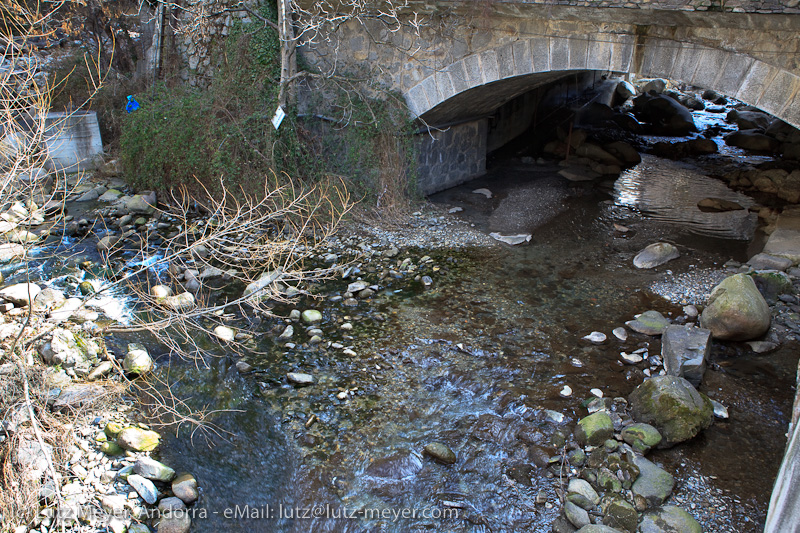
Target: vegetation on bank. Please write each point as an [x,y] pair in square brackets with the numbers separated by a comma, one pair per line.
[222,135]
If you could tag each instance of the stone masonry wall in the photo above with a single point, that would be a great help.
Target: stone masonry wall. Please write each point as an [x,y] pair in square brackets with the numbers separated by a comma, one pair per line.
[451,156]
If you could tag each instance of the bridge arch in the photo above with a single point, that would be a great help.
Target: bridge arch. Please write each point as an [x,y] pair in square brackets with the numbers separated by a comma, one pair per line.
[529,62]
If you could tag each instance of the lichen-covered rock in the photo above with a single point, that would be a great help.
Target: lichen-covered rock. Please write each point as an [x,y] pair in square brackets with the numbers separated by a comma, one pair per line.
[649,323]
[772,284]
[654,484]
[669,519]
[594,429]
[642,437]
[736,310]
[138,439]
[673,406]
[137,360]
[620,514]
[440,452]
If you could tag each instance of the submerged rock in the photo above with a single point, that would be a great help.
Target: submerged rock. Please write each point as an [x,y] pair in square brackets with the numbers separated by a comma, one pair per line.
[298,378]
[673,406]
[440,452]
[649,323]
[655,255]
[736,310]
[311,316]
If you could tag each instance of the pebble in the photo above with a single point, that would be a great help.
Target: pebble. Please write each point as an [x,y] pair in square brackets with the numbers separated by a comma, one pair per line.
[597,392]
[298,378]
[566,391]
[595,337]
[620,333]
[632,358]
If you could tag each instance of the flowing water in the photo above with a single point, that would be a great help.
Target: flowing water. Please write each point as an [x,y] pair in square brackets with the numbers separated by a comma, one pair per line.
[477,362]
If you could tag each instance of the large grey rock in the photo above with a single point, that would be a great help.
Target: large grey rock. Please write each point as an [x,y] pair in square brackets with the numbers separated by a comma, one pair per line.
[749,120]
[576,515]
[752,140]
[653,484]
[764,261]
[10,251]
[669,519]
[153,470]
[48,299]
[20,294]
[144,487]
[620,514]
[673,407]
[143,204]
[78,396]
[665,115]
[685,350]
[655,255]
[649,323]
[179,302]
[64,349]
[736,310]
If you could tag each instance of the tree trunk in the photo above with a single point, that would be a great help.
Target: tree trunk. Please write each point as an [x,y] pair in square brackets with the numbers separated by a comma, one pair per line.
[288,54]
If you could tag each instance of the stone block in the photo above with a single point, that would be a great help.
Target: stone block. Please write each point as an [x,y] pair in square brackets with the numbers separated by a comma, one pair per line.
[779,92]
[458,76]
[490,66]
[472,66]
[505,61]
[685,63]
[599,54]
[417,100]
[710,64]
[578,52]
[753,85]
[445,85]
[540,49]
[733,73]
[559,53]
[523,63]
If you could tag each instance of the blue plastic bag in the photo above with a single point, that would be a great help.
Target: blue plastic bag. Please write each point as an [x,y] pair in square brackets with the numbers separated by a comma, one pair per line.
[133,105]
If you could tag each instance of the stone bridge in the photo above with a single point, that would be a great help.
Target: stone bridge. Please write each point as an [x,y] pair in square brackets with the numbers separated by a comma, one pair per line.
[468,61]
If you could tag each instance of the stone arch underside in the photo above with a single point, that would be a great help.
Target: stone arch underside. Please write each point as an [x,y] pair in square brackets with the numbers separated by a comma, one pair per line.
[480,82]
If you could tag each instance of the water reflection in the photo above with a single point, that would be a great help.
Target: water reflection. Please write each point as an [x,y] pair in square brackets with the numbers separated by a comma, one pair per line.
[668,191]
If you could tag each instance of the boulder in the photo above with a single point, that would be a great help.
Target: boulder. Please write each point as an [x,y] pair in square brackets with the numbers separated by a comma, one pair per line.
[656,85]
[752,140]
[311,316]
[581,493]
[642,437]
[654,484]
[655,255]
[10,251]
[179,302]
[736,310]
[624,152]
[184,486]
[665,115]
[764,261]
[298,378]
[649,323]
[772,284]
[265,280]
[577,516]
[594,429]
[31,459]
[144,487]
[20,294]
[153,470]
[620,514]
[673,407]
[143,204]
[669,519]
[107,243]
[138,439]
[625,89]
[685,350]
[749,120]
[137,360]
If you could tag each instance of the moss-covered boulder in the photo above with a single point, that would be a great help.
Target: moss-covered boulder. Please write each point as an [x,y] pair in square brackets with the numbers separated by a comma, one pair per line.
[654,484]
[669,519]
[138,439]
[736,310]
[772,284]
[594,429]
[641,437]
[620,514]
[649,323]
[673,407]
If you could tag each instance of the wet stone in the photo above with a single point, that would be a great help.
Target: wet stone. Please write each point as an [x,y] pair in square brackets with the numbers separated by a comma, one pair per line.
[298,378]
[649,323]
[620,514]
[594,429]
[184,486]
[577,516]
[440,452]
[642,437]
[653,484]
